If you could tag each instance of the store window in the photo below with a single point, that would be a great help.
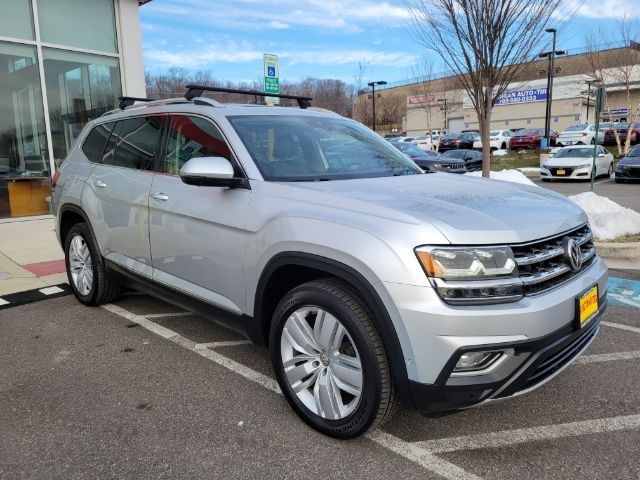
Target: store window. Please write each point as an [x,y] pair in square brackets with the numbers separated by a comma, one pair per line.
[15,21]
[24,163]
[88,24]
[80,88]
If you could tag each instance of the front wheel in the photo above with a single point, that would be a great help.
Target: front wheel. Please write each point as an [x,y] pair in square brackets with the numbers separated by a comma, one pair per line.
[330,361]
[85,269]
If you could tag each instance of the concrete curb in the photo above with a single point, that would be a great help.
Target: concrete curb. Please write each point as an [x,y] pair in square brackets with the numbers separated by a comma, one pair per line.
[620,255]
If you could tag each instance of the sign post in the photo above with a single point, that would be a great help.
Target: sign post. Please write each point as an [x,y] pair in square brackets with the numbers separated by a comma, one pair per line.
[271,77]
[599,102]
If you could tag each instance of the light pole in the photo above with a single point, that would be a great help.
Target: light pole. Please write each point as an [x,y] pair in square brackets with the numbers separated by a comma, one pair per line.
[589,83]
[373,99]
[550,72]
[444,109]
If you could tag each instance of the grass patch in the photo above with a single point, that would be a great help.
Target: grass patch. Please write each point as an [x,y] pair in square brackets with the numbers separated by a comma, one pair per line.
[635,237]
[514,160]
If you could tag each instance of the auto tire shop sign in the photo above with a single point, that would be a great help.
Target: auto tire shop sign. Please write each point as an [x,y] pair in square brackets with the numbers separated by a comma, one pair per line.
[522,96]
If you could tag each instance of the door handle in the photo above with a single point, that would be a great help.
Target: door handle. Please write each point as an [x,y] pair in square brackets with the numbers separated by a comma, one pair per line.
[99,184]
[160,196]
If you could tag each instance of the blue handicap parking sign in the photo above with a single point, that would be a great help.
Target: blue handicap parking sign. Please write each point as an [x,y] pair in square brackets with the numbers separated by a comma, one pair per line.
[271,71]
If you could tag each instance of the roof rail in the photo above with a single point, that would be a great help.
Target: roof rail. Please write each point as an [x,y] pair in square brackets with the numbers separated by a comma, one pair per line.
[128,101]
[197,91]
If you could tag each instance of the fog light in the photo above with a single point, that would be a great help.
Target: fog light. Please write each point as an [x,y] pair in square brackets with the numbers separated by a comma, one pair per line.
[476,361]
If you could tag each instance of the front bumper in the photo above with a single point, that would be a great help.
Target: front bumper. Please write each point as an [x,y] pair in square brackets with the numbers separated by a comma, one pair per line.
[582,173]
[433,335]
[628,173]
[539,361]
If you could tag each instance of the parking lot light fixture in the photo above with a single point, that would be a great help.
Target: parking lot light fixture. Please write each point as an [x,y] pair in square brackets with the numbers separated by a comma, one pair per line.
[373,99]
[545,143]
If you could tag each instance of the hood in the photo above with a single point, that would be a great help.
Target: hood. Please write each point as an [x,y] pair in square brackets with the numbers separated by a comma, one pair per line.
[568,161]
[635,161]
[465,209]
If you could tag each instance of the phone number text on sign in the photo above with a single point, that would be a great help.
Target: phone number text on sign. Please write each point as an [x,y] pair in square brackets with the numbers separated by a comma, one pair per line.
[522,96]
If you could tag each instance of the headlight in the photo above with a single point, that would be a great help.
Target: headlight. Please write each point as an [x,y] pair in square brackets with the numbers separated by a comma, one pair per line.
[586,165]
[472,275]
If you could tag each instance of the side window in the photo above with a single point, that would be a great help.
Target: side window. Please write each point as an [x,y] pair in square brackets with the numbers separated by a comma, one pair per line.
[93,145]
[135,141]
[190,137]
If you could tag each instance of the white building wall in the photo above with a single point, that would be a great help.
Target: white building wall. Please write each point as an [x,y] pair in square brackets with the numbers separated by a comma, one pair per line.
[130,46]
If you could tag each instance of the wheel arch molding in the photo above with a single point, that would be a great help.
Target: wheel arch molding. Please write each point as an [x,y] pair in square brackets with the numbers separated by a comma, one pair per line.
[306,267]
[71,210]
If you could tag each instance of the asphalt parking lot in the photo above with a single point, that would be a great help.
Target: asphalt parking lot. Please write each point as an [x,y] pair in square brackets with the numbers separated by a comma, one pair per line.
[625,194]
[139,389]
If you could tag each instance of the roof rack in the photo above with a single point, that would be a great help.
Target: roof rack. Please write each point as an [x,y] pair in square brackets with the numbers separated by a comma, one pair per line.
[197,91]
[128,101]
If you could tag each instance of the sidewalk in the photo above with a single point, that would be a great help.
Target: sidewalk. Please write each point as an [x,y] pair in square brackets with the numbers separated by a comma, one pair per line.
[30,256]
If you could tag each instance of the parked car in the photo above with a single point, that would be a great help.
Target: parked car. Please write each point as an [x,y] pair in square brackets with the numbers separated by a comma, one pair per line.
[575,162]
[583,134]
[425,142]
[628,167]
[456,141]
[498,140]
[609,137]
[430,161]
[372,284]
[472,158]
[530,138]
[389,136]
[400,139]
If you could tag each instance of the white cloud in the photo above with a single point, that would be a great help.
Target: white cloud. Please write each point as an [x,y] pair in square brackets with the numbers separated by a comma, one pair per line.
[278,25]
[611,9]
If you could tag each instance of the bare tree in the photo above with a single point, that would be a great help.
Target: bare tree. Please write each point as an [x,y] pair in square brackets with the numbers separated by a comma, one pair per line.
[619,68]
[424,92]
[485,43]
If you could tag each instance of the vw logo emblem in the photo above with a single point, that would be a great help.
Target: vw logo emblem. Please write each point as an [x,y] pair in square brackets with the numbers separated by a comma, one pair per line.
[572,253]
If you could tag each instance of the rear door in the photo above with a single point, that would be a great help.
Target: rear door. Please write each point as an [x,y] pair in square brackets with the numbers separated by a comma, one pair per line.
[117,194]
[198,235]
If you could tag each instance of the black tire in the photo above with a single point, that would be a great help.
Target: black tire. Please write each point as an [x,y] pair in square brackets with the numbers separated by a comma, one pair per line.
[503,146]
[593,141]
[378,400]
[103,289]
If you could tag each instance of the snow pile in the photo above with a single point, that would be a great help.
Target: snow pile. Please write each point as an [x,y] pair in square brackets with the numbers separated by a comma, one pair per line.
[500,153]
[608,219]
[529,169]
[506,175]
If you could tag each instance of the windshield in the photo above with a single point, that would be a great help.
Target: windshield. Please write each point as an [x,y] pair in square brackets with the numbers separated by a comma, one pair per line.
[635,152]
[575,152]
[452,136]
[494,133]
[409,149]
[294,148]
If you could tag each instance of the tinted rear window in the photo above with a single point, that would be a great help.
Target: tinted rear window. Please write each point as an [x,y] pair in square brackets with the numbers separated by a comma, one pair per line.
[136,143]
[93,145]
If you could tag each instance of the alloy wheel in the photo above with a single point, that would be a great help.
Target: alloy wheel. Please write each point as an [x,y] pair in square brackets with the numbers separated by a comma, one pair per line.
[321,363]
[80,265]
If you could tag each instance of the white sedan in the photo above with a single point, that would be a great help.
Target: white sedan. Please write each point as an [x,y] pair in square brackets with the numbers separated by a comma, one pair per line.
[575,163]
[498,140]
[583,134]
[424,142]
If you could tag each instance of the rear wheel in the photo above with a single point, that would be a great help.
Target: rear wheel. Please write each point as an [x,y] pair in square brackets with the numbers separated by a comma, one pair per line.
[85,269]
[330,361]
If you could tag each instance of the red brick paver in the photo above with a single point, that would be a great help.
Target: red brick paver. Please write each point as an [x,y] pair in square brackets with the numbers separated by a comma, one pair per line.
[46,268]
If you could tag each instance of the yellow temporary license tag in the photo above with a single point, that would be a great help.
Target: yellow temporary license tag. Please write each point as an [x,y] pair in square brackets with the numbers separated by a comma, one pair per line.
[588,305]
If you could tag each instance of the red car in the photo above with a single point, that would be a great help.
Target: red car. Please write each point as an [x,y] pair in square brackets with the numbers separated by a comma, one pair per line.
[623,129]
[530,138]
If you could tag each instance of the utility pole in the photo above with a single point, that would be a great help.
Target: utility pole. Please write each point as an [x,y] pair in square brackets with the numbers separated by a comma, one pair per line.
[550,74]
[373,98]
[444,108]
[598,109]
[589,83]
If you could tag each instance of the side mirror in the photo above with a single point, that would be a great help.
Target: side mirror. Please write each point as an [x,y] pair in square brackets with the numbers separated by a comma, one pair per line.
[211,172]
[600,155]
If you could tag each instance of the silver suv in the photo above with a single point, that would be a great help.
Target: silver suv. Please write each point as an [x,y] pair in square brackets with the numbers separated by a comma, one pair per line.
[372,283]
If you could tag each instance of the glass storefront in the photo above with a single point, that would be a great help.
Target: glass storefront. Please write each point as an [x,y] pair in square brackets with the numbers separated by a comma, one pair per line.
[79,86]
[24,162]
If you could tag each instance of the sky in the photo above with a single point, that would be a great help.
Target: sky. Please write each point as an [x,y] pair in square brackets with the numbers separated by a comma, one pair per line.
[317,38]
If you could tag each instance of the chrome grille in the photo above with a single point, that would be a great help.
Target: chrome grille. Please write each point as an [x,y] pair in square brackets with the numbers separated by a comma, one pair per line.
[543,266]
[452,166]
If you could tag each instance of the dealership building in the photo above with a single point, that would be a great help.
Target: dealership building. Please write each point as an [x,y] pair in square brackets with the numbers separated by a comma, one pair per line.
[62,64]
[441,103]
